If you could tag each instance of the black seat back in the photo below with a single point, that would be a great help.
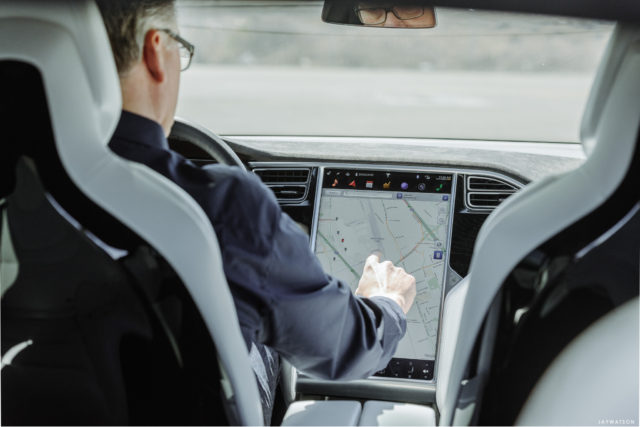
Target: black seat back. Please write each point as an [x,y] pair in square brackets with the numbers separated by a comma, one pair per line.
[75,307]
[96,328]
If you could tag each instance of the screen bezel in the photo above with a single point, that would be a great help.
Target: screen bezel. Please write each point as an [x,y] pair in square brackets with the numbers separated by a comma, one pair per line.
[392,169]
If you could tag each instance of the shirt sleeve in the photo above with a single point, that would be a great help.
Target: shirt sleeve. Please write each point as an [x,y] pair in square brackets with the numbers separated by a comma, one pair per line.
[283,296]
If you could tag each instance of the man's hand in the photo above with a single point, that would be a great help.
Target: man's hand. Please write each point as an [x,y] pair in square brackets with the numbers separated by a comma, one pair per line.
[386,280]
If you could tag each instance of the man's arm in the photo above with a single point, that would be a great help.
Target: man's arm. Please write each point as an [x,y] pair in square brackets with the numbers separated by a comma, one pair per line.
[326,331]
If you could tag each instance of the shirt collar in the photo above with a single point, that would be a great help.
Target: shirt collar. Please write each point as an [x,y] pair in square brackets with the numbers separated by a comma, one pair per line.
[135,128]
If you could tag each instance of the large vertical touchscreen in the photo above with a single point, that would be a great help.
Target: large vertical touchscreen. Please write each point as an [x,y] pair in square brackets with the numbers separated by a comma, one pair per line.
[405,216]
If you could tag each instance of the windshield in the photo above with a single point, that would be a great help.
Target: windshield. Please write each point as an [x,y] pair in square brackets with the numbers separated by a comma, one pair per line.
[277,69]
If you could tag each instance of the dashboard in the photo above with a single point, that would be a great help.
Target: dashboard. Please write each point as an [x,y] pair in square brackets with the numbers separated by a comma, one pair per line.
[420,204]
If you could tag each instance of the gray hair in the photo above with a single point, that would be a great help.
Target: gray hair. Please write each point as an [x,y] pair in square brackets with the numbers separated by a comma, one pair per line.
[127,22]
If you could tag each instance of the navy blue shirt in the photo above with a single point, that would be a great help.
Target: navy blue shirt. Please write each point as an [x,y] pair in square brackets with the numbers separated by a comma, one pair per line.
[283,297]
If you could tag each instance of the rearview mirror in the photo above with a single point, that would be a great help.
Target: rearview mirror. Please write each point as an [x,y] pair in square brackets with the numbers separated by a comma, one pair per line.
[379,13]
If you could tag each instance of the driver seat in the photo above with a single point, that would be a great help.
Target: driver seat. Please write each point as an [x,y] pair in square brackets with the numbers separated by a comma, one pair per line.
[87,260]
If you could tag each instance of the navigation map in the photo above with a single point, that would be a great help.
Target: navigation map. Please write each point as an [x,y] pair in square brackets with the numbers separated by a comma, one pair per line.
[409,229]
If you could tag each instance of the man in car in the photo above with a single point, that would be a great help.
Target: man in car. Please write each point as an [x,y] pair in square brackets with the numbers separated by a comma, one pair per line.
[283,297]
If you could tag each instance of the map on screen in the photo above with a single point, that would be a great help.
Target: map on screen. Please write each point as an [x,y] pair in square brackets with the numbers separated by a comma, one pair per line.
[408,228]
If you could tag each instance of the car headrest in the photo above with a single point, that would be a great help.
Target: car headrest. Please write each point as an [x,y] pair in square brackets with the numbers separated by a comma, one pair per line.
[81,81]
[594,114]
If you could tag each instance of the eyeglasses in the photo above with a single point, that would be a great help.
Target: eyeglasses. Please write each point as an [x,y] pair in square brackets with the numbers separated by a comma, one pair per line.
[378,15]
[186,49]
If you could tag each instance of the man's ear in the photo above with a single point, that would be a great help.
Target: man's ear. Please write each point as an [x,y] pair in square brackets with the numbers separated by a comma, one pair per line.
[152,55]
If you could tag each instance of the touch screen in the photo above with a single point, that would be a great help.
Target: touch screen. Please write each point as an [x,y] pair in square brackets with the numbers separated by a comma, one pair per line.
[406,217]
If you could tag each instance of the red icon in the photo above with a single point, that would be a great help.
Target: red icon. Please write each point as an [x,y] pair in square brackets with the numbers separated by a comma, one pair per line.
[369,184]
[352,183]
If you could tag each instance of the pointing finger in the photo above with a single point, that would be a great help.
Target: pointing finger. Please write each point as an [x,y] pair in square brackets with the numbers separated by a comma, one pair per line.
[372,260]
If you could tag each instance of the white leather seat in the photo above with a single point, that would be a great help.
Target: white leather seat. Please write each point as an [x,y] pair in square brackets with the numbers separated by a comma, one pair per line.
[585,385]
[545,208]
[67,43]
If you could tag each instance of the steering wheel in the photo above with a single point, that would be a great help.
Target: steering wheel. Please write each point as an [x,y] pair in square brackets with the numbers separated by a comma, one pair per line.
[205,140]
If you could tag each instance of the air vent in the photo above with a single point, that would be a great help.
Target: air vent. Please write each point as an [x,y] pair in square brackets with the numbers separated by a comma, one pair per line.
[488,184]
[486,200]
[269,176]
[290,185]
[289,192]
[486,193]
